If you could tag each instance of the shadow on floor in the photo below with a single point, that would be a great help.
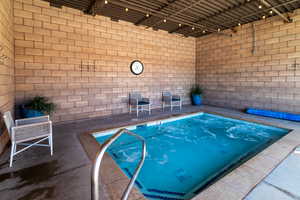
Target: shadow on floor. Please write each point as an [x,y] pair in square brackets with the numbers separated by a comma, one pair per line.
[66,175]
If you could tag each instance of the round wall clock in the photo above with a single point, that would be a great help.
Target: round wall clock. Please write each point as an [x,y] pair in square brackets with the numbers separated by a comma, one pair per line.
[136,67]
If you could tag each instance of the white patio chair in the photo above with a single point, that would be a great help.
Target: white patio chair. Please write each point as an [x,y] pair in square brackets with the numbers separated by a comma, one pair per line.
[29,129]
[172,100]
[136,101]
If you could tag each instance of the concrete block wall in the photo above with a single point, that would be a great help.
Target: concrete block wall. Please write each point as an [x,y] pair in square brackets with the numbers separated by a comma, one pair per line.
[7,85]
[232,76]
[47,46]
[51,43]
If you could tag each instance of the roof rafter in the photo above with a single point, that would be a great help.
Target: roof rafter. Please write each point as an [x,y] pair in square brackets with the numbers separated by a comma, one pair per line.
[253,14]
[200,20]
[177,12]
[156,13]
[94,6]
[186,17]
[266,3]
[167,3]
[264,10]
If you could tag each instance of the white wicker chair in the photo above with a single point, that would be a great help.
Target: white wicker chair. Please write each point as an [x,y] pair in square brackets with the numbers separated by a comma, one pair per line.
[24,130]
[172,100]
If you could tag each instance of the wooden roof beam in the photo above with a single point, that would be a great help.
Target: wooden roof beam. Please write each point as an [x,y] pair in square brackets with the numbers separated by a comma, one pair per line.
[96,5]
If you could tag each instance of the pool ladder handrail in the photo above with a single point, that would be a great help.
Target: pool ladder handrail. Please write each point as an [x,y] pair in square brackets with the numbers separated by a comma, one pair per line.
[96,167]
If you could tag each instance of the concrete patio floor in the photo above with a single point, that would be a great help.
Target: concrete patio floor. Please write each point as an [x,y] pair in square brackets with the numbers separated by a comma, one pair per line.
[66,175]
[283,183]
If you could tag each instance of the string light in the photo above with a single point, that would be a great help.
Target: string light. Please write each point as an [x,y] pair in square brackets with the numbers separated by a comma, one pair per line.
[193,28]
[260,6]
[179,25]
[264,17]
[219,29]
[239,24]
[203,31]
[126,9]
[147,15]
[106,2]
[165,20]
[271,12]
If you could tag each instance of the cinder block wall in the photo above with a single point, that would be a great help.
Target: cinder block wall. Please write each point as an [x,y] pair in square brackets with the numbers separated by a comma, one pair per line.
[234,77]
[51,43]
[7,85]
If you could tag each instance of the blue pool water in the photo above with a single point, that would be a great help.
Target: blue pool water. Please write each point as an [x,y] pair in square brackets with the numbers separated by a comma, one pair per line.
[185,155]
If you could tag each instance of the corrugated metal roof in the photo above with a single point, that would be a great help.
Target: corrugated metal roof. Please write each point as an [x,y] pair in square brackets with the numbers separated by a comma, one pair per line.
[187,17]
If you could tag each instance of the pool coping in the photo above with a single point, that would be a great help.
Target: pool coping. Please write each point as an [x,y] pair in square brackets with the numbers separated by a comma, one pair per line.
[235,185]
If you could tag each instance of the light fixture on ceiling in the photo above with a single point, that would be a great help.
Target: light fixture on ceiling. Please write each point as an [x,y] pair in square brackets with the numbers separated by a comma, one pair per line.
[263,17]
[271,12]
[106,2]
[193,28]
[203,31]
[239,24]
[179,25]
[147,15]
[126,9]
[165,20]
[260,6]
[219,29]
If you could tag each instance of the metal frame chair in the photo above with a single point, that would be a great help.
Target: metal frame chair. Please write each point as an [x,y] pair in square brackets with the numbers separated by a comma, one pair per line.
[139,103]
[172,100]
[29,129]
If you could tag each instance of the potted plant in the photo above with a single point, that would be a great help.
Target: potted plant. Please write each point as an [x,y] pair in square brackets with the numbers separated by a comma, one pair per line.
[36,107]
[196,94]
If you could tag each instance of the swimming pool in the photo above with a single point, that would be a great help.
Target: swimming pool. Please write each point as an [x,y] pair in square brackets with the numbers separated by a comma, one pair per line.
[186,154]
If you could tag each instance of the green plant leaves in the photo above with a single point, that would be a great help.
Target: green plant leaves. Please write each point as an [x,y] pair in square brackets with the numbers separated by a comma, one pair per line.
[41,104]
[196,89]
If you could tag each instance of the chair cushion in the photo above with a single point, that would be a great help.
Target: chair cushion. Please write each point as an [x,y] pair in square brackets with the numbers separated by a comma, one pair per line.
[143,103]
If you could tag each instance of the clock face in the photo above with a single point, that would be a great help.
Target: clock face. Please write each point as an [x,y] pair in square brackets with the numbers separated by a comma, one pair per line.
[137,67]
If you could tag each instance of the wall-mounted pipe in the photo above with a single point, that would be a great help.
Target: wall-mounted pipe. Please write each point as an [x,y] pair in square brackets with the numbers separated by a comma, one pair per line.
[254,39]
